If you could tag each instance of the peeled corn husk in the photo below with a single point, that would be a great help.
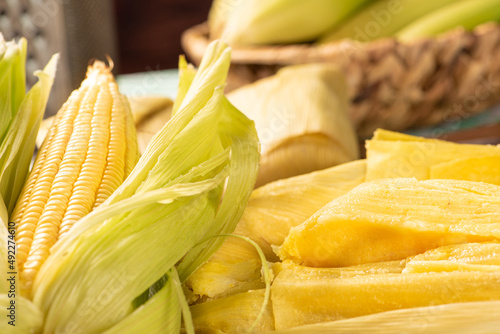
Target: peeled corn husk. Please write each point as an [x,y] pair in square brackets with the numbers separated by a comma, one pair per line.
[313,295]
[256,22]
[391,219]
[301,116]
[271,211]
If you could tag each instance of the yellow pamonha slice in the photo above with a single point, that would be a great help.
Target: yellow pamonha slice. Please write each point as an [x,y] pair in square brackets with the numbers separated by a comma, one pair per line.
[392,219]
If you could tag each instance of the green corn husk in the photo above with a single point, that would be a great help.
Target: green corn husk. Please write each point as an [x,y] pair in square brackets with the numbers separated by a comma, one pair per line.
[28,317]
[258,22]
[465,13]
[382,18]
[20,116]
[458,318]
[465,257]
[160,314]
[391,219]
[218,15]
[394,155]
[193,181]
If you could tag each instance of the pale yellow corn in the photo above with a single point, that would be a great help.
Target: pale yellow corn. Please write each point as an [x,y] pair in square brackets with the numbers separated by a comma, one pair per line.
[86,155]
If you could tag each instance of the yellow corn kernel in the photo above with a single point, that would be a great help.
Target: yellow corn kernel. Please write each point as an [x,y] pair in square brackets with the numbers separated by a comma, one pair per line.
[87,153]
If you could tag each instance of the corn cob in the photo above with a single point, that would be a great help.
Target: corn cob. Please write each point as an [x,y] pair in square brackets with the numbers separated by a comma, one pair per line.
[86,155]
[392,219]
[465,13]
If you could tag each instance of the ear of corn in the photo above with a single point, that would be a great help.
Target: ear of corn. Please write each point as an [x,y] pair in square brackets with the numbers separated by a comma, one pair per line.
[86,155]
[391,155]
[391,219]
[171,201]
[313,124]
[382,18]
[313,295]
[20,118]
[459,318]
[465,13]
[255,22]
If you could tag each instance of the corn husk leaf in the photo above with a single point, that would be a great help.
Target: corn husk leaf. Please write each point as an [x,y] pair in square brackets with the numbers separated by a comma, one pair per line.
[314,124]
[18,143]
[219,13]
[27,318]
[4,248]
[465,13]
[173,199]
[150,114]
[187,73]
[459,318]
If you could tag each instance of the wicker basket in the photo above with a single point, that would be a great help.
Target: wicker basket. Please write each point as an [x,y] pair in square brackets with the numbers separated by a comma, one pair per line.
[392,85]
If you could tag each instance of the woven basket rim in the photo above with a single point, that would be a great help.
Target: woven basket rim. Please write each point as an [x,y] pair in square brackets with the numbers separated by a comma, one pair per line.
[195,40]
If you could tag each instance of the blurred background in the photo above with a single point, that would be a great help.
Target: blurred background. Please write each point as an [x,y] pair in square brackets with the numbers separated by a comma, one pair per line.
[140,36]
[393,86]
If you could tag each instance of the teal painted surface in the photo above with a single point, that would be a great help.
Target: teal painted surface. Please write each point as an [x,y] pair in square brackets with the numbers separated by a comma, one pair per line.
[162,83]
